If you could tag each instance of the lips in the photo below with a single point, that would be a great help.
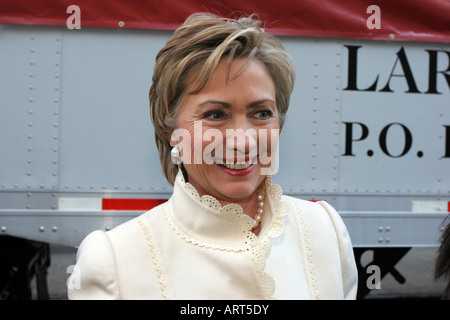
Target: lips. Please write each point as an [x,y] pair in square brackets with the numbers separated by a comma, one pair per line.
[235,165]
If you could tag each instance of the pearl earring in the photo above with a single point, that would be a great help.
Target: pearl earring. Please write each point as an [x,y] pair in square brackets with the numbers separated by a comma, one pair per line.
[175,155]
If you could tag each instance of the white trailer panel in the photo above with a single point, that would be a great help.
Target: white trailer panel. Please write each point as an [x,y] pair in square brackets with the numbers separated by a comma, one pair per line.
[368,130]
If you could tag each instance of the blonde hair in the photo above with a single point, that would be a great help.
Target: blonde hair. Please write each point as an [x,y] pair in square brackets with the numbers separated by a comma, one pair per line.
[199,45]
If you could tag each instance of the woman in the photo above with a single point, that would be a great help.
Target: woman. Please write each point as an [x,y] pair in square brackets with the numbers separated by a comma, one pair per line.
[219,97]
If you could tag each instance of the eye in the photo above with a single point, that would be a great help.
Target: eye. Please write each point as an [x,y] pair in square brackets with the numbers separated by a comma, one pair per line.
[264,114]
[213,115]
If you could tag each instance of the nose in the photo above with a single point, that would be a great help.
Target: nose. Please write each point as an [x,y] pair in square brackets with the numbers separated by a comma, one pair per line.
[241,141]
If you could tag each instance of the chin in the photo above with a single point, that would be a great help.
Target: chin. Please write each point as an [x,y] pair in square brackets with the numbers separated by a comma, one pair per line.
[236,190]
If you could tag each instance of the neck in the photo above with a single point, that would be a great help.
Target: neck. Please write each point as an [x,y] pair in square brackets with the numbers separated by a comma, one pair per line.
[248,204]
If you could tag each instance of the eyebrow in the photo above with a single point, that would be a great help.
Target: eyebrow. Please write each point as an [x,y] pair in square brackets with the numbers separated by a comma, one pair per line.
[228,105]
[222,103]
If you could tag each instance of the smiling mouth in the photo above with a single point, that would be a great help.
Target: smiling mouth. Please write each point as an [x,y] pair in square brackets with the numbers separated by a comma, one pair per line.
[236,165]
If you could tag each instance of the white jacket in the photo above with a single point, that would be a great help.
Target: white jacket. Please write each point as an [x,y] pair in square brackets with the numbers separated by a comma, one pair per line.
[192,248]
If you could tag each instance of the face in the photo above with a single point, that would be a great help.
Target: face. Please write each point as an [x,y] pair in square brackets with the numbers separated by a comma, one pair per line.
[228,131]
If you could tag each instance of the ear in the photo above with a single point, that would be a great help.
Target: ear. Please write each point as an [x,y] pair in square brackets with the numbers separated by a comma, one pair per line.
[169,138]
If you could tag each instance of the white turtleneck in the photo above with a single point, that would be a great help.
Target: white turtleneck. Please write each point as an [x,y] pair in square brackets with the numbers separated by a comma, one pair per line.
[193,248]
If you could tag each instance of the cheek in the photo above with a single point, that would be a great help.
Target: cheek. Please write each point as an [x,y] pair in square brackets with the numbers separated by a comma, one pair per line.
[184,137]
[198,144]
[268,139]
[212,145]
[268,151]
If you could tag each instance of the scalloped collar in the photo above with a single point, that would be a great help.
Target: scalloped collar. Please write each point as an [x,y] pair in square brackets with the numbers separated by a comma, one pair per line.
[203,221]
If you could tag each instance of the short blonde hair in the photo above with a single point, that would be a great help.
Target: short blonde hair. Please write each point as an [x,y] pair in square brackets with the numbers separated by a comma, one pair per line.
[198,46]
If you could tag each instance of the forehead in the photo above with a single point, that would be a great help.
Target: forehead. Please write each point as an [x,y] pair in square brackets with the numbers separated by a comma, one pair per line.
[242,78]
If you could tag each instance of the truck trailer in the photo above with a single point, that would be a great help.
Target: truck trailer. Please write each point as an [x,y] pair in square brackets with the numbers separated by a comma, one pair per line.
[368,127]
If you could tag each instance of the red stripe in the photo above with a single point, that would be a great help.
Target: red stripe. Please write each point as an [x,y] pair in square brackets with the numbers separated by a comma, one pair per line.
[340,19]
[448,206]
[141,204]
[130,204]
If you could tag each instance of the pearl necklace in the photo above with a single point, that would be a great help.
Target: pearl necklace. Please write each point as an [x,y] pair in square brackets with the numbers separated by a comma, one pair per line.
[259,212]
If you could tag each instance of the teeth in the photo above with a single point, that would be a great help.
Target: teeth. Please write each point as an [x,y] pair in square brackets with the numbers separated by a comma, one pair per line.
[237,165]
